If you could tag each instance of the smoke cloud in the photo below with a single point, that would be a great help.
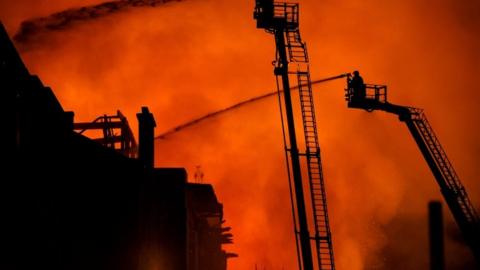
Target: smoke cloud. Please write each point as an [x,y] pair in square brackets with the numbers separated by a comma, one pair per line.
[194,57]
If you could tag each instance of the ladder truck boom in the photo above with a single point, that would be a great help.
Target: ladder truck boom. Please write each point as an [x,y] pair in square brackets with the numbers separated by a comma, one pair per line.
[292,63]
[454,193]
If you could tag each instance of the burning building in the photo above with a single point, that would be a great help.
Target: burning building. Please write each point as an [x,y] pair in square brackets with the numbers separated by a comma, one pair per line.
[70,202]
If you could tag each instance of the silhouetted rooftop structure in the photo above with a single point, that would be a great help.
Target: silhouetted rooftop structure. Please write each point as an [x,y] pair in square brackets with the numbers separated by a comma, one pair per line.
[69,202]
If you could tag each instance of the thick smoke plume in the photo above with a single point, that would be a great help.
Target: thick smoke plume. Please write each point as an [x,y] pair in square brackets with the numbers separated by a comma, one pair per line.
[34,28]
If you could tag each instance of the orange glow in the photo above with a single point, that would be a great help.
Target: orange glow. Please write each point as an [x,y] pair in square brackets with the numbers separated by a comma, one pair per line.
[185,59]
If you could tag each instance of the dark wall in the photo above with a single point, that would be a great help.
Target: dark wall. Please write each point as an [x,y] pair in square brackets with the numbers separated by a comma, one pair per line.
[71,205]
[163,205]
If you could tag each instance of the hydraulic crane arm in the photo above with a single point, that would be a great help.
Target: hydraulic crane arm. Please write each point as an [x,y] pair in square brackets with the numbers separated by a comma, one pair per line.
[451,188]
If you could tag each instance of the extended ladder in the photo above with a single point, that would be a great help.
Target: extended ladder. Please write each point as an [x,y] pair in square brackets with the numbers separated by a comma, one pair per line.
[323,240]
[452,189]
[281,20]
[450,185]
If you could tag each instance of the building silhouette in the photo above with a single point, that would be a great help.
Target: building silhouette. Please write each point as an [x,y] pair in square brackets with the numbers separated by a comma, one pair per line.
[70,202]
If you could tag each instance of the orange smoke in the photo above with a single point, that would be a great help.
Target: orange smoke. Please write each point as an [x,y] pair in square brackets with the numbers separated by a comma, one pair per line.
[185,59]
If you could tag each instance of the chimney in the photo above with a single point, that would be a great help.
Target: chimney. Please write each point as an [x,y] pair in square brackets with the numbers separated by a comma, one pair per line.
[146,126]
[435,225]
